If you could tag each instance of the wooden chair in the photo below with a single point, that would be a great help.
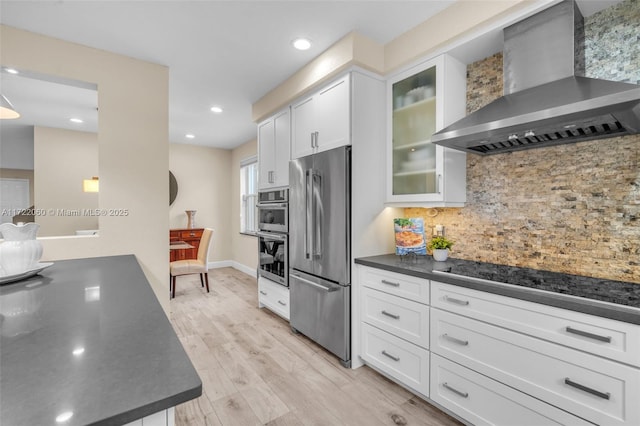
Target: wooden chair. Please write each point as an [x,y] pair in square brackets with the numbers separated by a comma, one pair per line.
[193,266]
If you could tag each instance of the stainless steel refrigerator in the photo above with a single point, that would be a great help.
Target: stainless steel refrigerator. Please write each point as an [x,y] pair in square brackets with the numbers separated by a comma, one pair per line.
[320,249]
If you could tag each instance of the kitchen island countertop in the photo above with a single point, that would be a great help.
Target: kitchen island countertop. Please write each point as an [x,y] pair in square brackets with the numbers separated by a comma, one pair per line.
[87,339]
[606,298]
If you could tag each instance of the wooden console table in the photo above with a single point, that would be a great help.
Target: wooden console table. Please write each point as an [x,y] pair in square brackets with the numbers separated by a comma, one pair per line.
[189,236]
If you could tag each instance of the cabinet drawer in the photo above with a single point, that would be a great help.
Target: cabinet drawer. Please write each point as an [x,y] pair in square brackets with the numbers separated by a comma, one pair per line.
[399,359]
[609,338]
[482,401]
[273,296]
[190,234]
[596,389]
[404,318]
[413,288]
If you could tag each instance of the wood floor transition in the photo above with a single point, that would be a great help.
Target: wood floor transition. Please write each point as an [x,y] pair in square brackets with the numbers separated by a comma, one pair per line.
[255,371]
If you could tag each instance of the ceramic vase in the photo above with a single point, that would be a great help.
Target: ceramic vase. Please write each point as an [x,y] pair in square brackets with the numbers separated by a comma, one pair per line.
[191,218]
[20,250]
[440,254]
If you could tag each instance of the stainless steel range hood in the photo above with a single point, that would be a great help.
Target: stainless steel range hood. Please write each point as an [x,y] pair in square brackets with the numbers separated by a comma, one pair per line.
[547,99]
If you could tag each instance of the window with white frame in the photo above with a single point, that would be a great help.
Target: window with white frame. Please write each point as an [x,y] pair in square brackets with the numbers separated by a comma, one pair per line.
[249,195]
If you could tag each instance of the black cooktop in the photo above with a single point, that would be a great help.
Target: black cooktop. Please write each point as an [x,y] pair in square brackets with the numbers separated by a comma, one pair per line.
[623,293]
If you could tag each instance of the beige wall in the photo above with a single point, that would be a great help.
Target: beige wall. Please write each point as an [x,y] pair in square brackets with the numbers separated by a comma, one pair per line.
[204,184]
[244,247]
[133,144]
[62,160]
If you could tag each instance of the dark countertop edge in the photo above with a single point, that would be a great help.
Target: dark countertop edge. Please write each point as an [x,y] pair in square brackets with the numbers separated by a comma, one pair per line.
[151,408]
[163,404]
[573,303]
[155,406]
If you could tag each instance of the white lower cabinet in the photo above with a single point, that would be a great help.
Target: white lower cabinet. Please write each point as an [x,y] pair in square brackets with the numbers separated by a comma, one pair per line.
[616,340]
[397,358]
[496,360]
[394,315]
[599,390]
[274,297]
[483,401]
[404,318]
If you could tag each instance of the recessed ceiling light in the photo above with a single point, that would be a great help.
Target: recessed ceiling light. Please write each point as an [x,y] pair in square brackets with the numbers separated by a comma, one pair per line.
[11,71]
[189,136]
[216,109]
[302,43]
[76,120]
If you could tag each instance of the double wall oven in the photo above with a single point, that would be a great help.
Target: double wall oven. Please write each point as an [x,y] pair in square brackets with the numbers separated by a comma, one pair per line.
[273,235]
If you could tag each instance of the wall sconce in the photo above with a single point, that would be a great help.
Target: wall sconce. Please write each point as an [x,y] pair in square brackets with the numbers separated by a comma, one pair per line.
[91,185]
[7,111]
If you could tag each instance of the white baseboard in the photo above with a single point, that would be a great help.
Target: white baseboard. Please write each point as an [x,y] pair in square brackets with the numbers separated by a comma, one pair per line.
[235,265]
[220,264]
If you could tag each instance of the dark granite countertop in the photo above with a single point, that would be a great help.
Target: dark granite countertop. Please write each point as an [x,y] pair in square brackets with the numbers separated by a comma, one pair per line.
[89,337]
[606,298]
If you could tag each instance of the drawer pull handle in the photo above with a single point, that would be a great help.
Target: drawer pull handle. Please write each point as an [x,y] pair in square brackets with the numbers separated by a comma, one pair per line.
[390,283]
[282,303]
[456,301]
[388,355]
[603,395]
[455,340]
[263,292]
[606,339]
[394,316]
[454,390]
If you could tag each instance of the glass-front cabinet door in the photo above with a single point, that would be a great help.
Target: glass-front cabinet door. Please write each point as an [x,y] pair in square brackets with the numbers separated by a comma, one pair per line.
[422,100]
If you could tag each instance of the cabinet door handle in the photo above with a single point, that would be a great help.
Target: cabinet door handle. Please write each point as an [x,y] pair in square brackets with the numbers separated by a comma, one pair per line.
[454,390]
[263,292]
[394,316]
[439,182]
[317,134]
[282,303]
[313,139]
[388,355]
[391,283]
[456,301]
[455,340]
[589,335]
[603,395]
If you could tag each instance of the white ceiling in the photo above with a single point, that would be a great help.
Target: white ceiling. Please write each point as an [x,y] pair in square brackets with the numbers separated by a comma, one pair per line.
[226,53]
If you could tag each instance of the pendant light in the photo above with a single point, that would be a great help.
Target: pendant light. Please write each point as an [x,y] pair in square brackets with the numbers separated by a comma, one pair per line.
[6,109]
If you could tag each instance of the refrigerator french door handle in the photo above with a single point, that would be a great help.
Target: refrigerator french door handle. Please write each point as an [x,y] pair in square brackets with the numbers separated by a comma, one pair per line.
[308,216]
[318,214]
[312,284]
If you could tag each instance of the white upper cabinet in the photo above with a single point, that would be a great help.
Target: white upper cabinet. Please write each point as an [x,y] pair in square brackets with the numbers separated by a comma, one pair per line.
[421,101]
[274,145]
[322,121]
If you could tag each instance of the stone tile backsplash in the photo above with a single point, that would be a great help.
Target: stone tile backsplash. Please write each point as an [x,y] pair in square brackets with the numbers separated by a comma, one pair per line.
[571,208]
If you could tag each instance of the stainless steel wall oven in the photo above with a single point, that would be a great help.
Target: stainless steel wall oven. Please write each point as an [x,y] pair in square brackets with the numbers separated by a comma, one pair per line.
[273,211]
[273,237]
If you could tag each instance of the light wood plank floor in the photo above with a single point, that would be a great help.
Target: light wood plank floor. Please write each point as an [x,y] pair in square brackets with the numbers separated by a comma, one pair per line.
[255,371]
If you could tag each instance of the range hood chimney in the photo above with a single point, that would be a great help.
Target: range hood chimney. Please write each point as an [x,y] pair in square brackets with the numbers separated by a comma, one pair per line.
[547,100]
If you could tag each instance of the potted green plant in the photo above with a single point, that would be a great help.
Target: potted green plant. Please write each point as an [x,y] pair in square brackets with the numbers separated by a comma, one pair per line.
[440,247]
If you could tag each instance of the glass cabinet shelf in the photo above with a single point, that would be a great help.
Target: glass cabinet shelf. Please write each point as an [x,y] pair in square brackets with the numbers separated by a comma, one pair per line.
[416,144]
[416,105]
[413,173]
